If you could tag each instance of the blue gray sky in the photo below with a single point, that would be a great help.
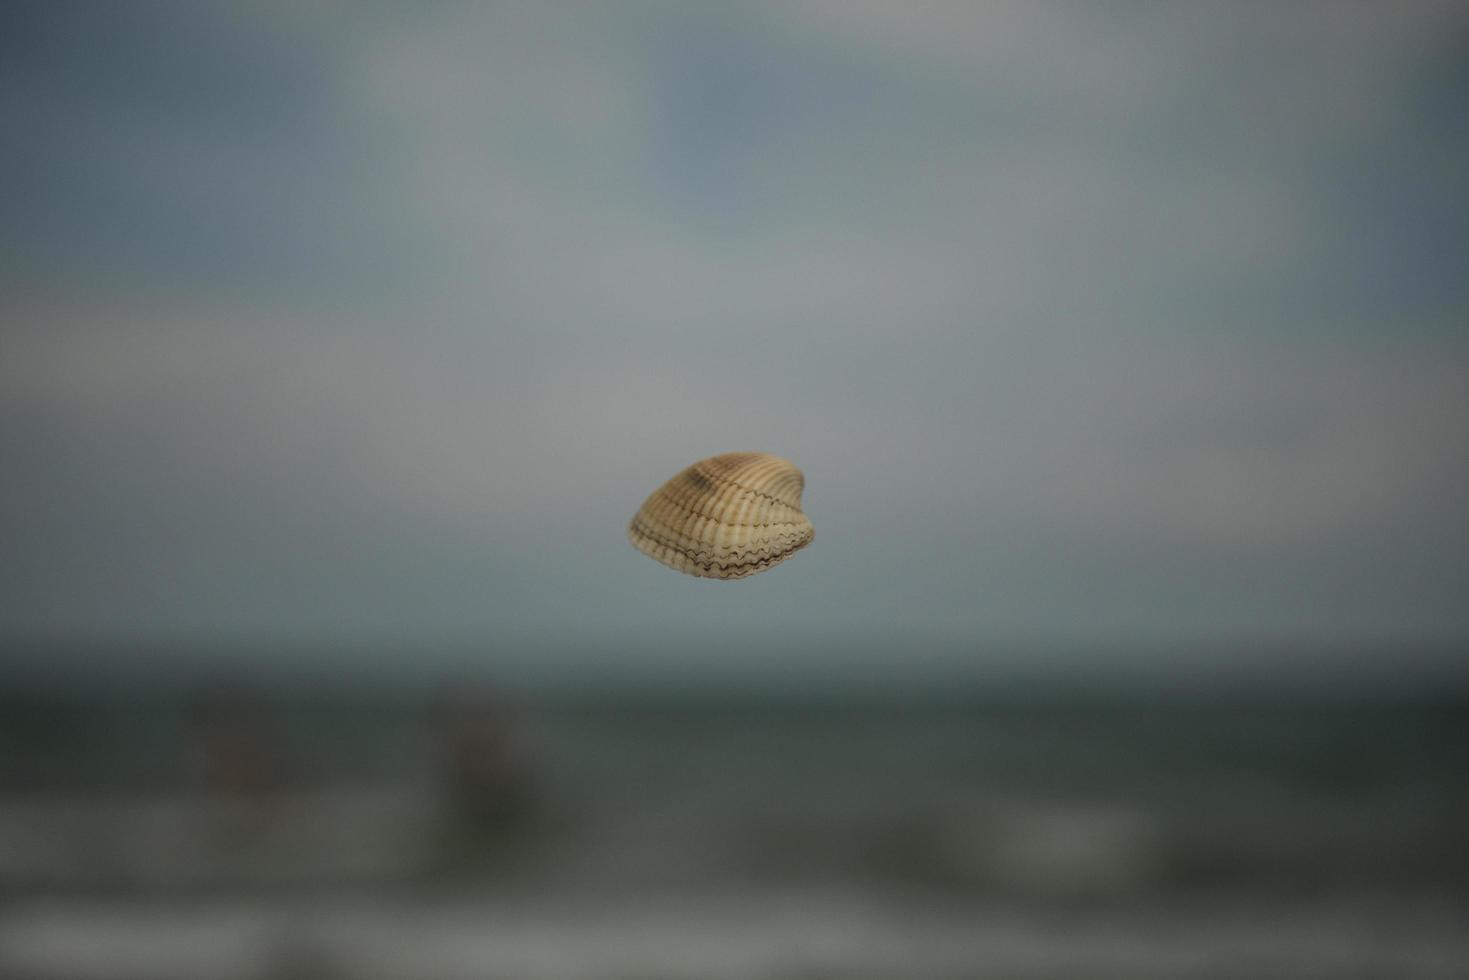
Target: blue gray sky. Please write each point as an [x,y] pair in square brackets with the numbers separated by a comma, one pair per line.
[1088,323]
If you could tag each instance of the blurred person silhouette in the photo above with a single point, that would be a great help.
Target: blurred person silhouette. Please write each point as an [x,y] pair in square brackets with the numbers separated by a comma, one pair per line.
[484,776]
[234,762]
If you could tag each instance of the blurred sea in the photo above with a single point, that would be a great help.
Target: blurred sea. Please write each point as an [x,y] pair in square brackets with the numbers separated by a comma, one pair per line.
[265,834]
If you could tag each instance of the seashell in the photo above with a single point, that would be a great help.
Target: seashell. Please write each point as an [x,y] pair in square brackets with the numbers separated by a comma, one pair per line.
[727,516]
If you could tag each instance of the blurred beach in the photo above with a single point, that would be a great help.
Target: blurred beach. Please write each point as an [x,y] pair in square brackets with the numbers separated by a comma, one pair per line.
[369,830]
[1122,349]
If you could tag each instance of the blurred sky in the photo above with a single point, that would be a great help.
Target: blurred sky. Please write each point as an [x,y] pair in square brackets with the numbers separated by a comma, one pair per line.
[1087,323]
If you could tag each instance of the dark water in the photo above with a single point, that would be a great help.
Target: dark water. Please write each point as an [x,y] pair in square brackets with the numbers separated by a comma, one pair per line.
[371,835]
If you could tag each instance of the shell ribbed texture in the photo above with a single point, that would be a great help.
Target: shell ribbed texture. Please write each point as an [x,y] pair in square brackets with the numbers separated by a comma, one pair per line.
[727,516]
